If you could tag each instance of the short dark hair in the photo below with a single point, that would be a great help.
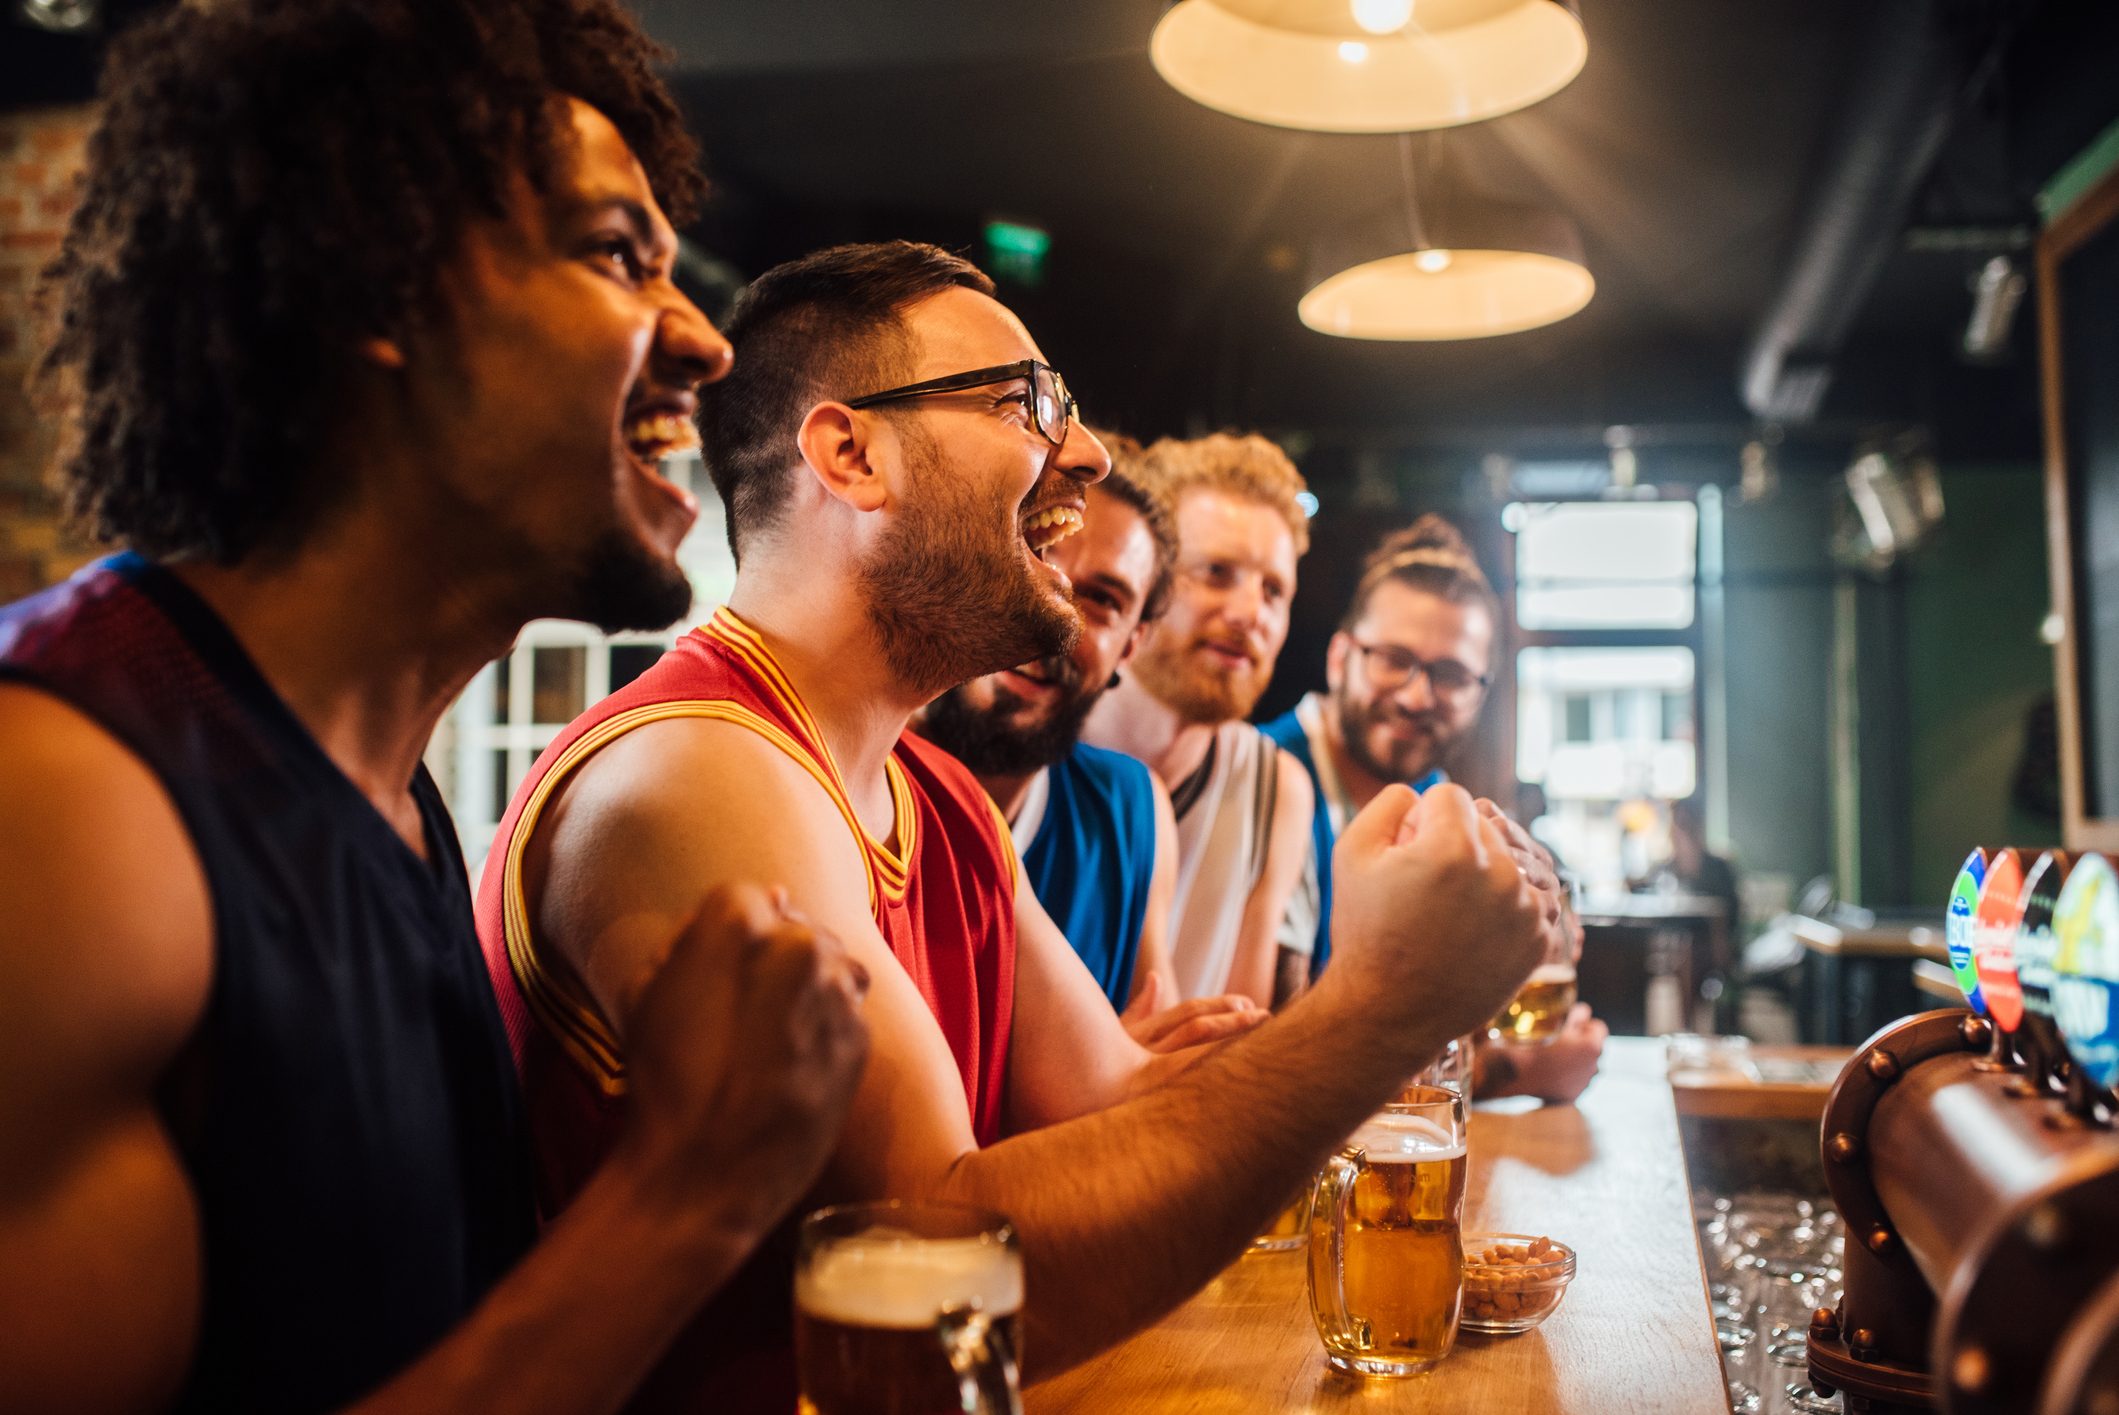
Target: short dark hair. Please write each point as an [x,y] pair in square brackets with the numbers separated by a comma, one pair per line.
[1126,454]
[1430,555]
[829,325]
[272,181]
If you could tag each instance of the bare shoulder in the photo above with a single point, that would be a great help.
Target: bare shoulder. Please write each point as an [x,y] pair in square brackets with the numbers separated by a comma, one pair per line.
[108,947]
[105,959]
[633,843]
[699,791]
[1297,799]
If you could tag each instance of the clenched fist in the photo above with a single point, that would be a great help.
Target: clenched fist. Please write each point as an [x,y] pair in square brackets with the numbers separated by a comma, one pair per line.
[744,1048]
[1431,911]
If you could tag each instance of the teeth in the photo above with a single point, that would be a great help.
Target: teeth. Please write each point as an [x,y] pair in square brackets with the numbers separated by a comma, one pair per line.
[1051,526]
[659,435]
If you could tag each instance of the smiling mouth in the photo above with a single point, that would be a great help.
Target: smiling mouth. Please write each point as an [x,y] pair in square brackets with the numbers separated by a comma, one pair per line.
[651,437]
[1049,527]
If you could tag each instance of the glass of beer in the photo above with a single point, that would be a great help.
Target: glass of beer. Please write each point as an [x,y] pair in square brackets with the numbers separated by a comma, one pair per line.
[908,1309]
[1539,1008]
[1386,1239]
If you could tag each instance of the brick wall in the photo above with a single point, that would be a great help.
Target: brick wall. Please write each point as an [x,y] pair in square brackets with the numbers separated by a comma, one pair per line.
[41,152]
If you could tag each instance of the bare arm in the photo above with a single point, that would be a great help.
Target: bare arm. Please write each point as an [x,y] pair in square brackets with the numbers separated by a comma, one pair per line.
[1125,1211]
[1253,972]
[103,977]
[1153,958]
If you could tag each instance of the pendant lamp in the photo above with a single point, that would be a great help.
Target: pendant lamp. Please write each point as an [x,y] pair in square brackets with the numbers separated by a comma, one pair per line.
[1368,66]
[1447,263]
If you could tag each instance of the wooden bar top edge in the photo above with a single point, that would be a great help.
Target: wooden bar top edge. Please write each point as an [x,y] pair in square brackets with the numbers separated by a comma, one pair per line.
[1634,1333]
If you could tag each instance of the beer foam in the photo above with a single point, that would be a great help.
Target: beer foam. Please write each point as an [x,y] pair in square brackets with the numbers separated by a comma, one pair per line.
[1405,1139]
[1552,973]
[902,1282]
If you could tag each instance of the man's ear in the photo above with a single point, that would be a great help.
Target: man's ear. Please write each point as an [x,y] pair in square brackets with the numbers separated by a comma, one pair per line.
[1335,659]
[1134,640]
[834,443]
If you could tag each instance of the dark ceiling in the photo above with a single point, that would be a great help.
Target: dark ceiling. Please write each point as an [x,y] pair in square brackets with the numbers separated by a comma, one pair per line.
[1688,152]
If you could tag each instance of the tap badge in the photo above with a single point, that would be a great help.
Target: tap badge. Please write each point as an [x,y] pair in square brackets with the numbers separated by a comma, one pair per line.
[2035,946]
[2086,967]
[1994,930]
[1957,927]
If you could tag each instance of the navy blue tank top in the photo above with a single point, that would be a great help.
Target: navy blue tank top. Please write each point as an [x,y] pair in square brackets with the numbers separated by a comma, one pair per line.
[346,1110]
[1093,858]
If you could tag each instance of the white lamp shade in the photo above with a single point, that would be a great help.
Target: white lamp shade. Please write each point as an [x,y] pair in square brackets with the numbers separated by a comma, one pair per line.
[1479,293]
[1311,64]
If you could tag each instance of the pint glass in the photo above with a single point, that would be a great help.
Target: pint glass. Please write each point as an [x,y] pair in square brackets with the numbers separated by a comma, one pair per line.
[1386,1239]
[908,1309]
[1539,1007]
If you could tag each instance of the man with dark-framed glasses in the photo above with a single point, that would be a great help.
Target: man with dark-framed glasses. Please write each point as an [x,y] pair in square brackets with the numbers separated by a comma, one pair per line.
[897,468]
[1406,677]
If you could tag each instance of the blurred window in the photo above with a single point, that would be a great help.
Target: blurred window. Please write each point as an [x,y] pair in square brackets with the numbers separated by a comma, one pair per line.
[1607,675]
[1589,565]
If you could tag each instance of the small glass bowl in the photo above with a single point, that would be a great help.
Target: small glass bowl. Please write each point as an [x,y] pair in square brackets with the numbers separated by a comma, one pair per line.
[1513,1297]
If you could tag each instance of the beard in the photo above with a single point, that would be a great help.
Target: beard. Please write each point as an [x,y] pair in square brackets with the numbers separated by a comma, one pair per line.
[1195,691]
[1408,761]
[623,585]
[991,742]
[950,600]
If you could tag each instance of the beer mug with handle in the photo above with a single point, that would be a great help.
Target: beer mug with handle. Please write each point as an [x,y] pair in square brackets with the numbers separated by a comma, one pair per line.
[908,1309]
[1387,1241]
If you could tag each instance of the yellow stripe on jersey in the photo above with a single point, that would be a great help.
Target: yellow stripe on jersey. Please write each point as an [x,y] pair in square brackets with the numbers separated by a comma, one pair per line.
[558,1002]
[893,867]
[1007,843]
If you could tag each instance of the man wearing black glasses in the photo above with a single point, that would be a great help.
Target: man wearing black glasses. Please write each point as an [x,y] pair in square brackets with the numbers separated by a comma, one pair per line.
[1406,678]
[898,460]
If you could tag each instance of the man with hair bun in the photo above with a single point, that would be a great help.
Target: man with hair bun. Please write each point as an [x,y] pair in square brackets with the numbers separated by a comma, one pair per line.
[1242,806]
[1407,674]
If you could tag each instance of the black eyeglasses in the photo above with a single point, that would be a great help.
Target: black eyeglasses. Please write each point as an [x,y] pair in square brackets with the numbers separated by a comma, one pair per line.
[1051,405]
[1391,668]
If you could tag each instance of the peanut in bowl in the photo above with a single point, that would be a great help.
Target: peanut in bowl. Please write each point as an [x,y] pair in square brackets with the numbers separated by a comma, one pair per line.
[1513,1281]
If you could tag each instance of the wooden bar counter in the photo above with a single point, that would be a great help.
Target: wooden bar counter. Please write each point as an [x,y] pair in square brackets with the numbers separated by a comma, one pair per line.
[1634,1334]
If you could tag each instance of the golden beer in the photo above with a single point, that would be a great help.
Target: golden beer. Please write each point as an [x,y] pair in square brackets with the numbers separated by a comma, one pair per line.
[889,1321]
[1539,1008]
[1386,1243]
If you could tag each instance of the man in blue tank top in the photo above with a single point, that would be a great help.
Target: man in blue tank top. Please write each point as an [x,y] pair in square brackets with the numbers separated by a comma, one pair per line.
[1094,828]
[1406,678]
[370,347]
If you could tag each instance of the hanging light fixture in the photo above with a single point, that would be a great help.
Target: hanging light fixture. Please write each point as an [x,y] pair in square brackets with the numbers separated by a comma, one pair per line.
[1446,264]
[1369,66]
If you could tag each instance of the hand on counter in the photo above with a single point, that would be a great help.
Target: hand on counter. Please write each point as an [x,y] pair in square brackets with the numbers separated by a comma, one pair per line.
[1186,1024]
[1556,1072]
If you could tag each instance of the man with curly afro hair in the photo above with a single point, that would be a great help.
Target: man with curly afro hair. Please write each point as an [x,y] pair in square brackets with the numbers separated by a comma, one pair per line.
[371,350]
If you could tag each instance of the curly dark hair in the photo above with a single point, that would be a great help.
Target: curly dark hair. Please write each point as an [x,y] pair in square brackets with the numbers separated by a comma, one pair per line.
[273,181]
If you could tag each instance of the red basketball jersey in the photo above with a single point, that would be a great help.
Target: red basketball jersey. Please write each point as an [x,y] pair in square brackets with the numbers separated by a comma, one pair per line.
[943,898]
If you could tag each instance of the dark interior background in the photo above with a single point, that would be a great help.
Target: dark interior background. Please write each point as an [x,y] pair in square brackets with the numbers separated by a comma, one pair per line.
[1696,152]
